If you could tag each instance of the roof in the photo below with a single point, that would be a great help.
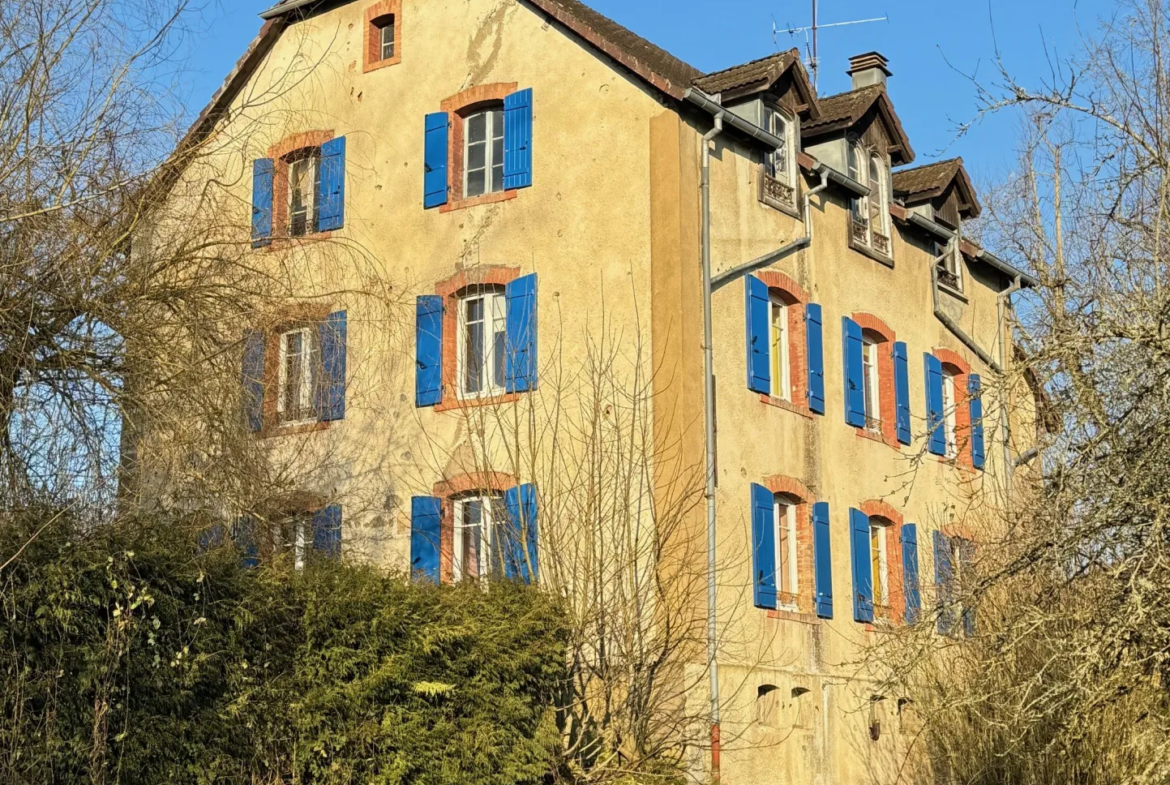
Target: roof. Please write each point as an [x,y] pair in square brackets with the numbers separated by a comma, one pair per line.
[766,69]
[843,110]
[923,183]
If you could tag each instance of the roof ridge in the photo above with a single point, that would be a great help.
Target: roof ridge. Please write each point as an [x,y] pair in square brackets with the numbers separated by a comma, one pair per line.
[957,159]
[758,60]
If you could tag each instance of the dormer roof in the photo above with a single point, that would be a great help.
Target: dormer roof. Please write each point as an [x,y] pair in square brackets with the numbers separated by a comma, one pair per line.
[931,182]
[760,75]
[843,111]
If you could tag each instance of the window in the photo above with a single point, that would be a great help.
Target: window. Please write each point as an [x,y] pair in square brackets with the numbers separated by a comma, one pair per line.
[385,27]
[869,361]
[780,356]
[784,518]
[871,213]
[298,361]
[484,153]
[780,164]
[292,535]
[950,413]
[880,563]
[950,265]
[303,174]
[482,335]
[478,520]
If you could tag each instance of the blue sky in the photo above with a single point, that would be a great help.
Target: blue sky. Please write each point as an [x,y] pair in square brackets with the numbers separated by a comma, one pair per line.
[920,39]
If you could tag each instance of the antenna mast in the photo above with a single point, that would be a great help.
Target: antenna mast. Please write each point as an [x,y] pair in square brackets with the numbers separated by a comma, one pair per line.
[811,46]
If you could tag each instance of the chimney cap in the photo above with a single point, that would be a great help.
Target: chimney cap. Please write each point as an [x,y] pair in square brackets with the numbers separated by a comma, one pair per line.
[868,61]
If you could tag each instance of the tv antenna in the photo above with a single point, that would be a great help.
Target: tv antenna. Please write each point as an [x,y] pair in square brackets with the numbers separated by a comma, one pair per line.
[812,33]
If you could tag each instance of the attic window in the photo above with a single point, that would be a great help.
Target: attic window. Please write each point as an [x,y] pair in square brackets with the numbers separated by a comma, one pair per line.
[383,35]
[385,26]
[779,182]
[871,214]
[950,266]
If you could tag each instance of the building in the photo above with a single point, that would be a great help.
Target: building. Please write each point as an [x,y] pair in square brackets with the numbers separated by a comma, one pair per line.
[526,175]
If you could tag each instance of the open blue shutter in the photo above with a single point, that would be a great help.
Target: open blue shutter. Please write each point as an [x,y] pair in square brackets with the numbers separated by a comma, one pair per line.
[435,160]
[331,186]
[937,439]
[967,559]
[852,347]
[822,560]
[943,580]
[815,338]
[862,566]
[331,385]
[518,140]
[244,537]
[519,547]
[263,170]
[327,531]
[975,392]
[425,524]
[759,305]
[520,343]
[253,379]
[902,391]
[763,547]
[910,572]
[428,351]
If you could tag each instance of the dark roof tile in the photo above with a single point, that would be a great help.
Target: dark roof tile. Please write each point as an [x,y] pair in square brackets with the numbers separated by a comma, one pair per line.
[765,70]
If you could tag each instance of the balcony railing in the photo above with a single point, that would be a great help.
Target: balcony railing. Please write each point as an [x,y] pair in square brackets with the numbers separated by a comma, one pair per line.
[881,243]
[777,191]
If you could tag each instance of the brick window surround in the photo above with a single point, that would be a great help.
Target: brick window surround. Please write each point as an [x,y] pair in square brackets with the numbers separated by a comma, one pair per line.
[804,599]
[794,296]
[471,483]
[953,363]
[287,318]
[874,328]
[280,153]
[376,16]
[895,611]
[458,107]
[452,289]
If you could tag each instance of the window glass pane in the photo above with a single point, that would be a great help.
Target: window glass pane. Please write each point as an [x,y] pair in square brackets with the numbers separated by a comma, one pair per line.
[473,345]
[475,183]
[477,128]
[477,156]
[388,40]
[497,178]
[784,548]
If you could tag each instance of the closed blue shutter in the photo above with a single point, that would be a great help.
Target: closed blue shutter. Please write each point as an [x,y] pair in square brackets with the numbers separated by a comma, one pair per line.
[518,550]
[263,170]
[763,547]
[822,560]
[435,160]
[520,343]
[943,580]
[425,524]
[331,186]
[967,559]
[428,351]
[331,385]
[758,308]
[902,391]
[327,531]
[975,391]
[815,338]
[244,536]
[518,140]
[910,586]
[937,439]
[253,379]
[852,347]
[862,566]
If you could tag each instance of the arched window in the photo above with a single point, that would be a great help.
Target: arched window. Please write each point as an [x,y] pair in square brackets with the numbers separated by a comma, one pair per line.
[767,699]
[304,171]
[871,213]
[481,341]
[880,548]
[483,154]
[784,517]
[477,520]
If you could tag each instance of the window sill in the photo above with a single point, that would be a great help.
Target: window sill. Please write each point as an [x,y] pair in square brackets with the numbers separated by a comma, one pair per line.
[880,438]
[865,250]
[452,402]
[477,201]
[787,406]
[272,430]
[783,614]
[284,243]
[953,293]
[955,463]
[380,64]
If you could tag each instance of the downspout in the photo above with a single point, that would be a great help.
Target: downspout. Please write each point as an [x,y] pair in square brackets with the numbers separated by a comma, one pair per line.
[709,416]
[1003,303]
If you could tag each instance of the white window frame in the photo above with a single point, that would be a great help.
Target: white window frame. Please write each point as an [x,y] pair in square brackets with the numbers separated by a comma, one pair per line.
[493,116]
[300,539]
[780,164]
[310,355]
[312,158]
[879,536]
[784,521]
[871,381]
[384,28]
[779,348]
[952,263]
[494,322]
[950,413]
[489,503]
[856,154]
[879,183]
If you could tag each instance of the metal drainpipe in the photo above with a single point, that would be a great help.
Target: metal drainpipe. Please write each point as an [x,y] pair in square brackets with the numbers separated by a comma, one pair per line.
[1004,303]
[709,414]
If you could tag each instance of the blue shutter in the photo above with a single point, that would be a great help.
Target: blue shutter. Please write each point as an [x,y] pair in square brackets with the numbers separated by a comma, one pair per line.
[763,547]
[862,566]
[814,333]
[331,385]
[331,186]
[967,559]
[425,526]
[428,351]
[975,392]
[910,572]
[253,379]
[435,160]
[852,348]
[263,170]
[210,539]
[937,439]
[822,560]
[520,343]
[943,580]
[327,531]
[902,391]
[518,549]
[244,536]
[757,309]
[518,140]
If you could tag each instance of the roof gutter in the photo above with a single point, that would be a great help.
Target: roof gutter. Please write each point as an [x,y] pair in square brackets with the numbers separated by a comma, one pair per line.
[280,9]
[712,107]
[992,260]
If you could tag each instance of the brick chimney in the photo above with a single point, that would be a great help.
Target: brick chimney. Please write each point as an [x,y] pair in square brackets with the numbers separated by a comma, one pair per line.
[869,69]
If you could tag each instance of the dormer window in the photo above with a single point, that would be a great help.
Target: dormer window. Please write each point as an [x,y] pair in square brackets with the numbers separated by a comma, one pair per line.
[779,181]
[950,266]
[871,214]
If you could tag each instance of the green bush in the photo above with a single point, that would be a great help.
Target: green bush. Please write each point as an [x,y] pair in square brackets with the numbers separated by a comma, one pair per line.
[128,658]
